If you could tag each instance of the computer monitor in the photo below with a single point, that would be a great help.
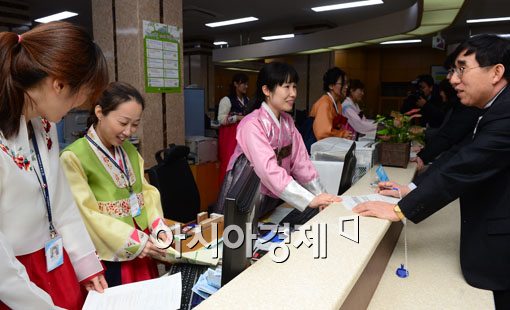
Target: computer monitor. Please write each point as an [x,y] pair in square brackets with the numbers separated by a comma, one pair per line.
[240,208]
[348,170]
[336,168]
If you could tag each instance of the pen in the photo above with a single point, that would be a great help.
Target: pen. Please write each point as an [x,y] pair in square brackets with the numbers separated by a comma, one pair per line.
[391,188]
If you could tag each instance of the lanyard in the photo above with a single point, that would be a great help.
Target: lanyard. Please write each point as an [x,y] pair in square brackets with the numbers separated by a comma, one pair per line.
[114,162]
[44,185]
[334,102]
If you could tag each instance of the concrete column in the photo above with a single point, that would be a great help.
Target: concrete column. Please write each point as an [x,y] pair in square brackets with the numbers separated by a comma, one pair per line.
[118,29]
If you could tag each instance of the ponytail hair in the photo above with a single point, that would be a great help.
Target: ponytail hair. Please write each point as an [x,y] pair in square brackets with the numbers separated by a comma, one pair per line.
[115,94]
[58,49]
[272,75]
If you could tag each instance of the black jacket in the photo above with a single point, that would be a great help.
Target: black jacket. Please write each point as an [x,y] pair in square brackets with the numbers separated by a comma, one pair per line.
[478,173]
[459,122]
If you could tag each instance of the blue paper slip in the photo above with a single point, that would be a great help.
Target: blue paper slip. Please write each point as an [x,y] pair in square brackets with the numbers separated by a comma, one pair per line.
[381,174]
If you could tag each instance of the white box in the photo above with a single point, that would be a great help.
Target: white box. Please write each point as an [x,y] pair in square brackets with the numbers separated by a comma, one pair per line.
[366,157]
[203,149]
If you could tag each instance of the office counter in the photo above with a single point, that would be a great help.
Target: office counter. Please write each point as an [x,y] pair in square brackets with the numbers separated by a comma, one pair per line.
[435,280]
[347,276]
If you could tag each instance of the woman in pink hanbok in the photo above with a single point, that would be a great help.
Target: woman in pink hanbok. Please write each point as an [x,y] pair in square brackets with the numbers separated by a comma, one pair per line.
[270,142]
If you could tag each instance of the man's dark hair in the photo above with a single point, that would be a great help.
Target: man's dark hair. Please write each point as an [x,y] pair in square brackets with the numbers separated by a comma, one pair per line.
[427,79]
[489,50]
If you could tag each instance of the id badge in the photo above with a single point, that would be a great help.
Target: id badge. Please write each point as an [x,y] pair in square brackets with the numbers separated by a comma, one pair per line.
[54,251]
[134,206]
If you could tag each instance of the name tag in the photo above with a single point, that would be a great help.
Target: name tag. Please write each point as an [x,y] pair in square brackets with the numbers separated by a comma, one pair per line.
[134,206]
[54,251]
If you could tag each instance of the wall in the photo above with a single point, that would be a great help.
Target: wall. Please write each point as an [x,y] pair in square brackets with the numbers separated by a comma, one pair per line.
[375,65]
[372,65]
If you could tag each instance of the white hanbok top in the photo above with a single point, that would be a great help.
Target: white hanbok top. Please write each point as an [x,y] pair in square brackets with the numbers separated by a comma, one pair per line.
[24,226]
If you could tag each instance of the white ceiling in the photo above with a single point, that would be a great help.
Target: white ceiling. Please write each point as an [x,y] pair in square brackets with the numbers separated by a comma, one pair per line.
[275,17]
[282,16]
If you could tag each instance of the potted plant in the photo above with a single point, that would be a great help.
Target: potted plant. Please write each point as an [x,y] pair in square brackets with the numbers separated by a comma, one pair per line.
[395,137]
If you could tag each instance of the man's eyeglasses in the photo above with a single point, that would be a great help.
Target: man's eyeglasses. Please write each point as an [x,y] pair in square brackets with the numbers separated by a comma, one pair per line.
[460,71]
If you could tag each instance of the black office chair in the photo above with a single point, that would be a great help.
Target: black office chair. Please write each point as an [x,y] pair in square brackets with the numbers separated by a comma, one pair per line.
[173,178]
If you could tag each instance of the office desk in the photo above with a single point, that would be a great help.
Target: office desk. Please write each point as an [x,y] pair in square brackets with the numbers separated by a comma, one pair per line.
[303,282]
[435,280]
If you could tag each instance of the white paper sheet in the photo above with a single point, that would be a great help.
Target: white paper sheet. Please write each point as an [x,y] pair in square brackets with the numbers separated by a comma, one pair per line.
[161,293]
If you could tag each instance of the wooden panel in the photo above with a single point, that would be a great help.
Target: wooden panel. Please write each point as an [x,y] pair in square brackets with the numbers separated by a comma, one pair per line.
[206,176]
[388,104]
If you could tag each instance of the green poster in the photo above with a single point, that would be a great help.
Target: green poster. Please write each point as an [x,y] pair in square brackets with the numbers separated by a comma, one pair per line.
[162,58]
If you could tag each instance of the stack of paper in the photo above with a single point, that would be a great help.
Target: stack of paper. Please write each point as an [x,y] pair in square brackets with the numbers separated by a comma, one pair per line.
[208,283]
[161,293]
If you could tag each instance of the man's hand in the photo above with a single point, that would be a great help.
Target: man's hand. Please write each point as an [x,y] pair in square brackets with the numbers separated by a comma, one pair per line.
[421,102]
[392,189]
[419,162]
[379,209]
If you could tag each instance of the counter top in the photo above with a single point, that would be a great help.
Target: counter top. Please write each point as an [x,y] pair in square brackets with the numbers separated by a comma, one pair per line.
[435,279]
[303,282]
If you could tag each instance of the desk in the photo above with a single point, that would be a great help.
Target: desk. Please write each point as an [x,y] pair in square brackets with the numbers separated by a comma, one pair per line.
[435,280]
[303,282]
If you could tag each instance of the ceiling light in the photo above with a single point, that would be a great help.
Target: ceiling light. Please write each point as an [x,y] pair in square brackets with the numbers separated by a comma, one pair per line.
[232,22]
[487,20]
[54,17]
[220,43]
[347,5]
[241,69]
[401,42]
[280,36]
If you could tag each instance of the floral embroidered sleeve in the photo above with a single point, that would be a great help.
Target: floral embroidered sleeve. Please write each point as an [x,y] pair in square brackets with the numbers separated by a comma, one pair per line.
[113,239]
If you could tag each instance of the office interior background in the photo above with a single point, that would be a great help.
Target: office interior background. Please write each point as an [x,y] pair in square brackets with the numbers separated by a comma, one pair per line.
[348,38]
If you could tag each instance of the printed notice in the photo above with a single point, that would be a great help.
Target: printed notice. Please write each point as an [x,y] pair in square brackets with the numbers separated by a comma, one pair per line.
[162,57]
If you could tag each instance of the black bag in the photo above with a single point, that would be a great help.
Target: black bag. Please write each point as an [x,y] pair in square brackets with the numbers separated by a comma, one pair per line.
[173,178]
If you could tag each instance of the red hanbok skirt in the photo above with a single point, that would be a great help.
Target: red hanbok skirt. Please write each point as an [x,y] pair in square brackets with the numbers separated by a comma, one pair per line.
[226,146]
[60,283]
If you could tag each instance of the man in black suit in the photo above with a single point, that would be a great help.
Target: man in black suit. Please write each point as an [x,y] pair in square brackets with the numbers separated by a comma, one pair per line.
[478,174]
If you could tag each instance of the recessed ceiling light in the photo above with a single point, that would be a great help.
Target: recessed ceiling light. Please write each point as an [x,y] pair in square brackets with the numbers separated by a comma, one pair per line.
[280,36]
[220,43]
[487,20]
[54,17]
[347,5]
[232,22]
[241,69]
[401,42]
